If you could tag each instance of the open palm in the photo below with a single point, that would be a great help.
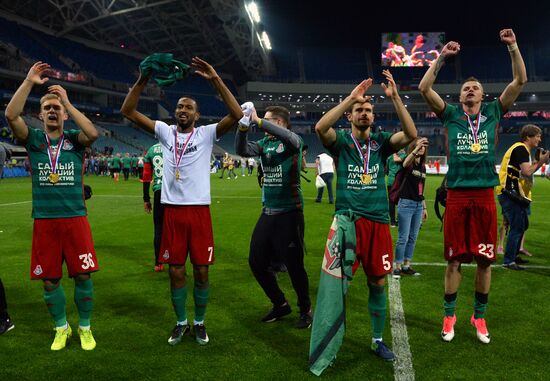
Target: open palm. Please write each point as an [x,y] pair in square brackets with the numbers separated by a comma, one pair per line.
[36,72]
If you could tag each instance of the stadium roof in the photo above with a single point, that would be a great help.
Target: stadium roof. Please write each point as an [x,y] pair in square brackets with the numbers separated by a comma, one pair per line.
[216,30]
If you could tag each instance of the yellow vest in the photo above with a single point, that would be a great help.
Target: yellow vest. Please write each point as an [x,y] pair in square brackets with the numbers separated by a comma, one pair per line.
[525,183]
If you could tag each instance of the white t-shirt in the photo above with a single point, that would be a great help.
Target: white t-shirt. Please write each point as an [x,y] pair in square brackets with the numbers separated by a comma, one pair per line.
[325,164]
[193,186]
[251,162]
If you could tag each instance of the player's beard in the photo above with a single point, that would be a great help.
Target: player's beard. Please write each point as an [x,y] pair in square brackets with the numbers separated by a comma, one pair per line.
[363,127]
[185,126]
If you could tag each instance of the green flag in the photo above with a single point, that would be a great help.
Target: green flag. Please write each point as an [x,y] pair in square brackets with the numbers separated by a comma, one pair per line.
[329,319]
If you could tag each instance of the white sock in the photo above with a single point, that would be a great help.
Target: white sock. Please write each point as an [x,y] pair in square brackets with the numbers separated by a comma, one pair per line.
[182,322]
[375,339]
[198,322]
[84,326]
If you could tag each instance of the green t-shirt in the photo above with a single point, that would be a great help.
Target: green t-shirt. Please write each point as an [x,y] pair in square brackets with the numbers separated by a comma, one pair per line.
[126,162]
[282,165]
[134,161]
[154,157]
[394,167]
[368,200]
[115,162]
[65,198]
[468,169]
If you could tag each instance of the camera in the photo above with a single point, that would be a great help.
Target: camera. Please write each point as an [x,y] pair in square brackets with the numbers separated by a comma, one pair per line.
[540,151]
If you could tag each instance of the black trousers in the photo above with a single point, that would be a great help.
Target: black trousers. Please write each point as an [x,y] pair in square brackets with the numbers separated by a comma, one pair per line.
[391,206]
[280,239]
[158,217]
[3,303]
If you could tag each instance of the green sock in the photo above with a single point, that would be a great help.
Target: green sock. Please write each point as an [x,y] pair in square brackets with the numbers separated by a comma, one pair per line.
[84,300]
[449,304]
[377,308]
[54,296]
[201,300]
[179,298]
[480,305]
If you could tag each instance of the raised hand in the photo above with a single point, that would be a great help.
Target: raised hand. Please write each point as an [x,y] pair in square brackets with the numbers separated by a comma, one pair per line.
[450,49]
[391,88]
[60,92]
[358,94]
[37,71]
[507,36]
[422,143]
[203,68]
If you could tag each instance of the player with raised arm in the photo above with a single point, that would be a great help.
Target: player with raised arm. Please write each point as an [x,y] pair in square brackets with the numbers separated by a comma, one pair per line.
[470,216]
[361,211]
[61,232]
[187,226]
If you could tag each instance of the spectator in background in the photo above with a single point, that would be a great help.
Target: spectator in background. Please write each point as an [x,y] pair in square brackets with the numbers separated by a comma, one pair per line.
[393,165]
[126,163]
[470,225]
[243,162]
[324,167]
[251,165]
[514,191]
[411,208]
[225,165]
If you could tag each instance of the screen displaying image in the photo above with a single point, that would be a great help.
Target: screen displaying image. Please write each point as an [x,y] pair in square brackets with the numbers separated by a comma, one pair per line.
[417,49]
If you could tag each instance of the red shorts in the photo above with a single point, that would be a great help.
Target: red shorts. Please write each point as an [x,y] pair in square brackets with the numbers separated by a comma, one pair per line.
[373,247]
[470,225]
[58,240]
[187,229]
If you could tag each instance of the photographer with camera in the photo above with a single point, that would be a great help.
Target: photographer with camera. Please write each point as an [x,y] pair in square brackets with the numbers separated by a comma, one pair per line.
[514,192]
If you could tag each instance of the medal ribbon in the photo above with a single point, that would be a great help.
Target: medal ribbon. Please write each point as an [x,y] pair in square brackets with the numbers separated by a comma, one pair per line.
[365,156]
[55,160]
[476,129]
[177,158]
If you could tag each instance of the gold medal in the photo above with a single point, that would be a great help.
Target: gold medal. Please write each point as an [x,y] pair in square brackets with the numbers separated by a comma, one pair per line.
[53,178]
[475,147]
[366,179]
[177,174]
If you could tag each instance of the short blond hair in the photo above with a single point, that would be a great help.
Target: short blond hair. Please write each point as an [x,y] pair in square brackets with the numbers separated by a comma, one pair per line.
[48,97]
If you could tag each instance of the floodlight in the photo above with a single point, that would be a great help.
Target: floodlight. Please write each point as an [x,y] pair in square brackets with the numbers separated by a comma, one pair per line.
[253,12]
[265,39]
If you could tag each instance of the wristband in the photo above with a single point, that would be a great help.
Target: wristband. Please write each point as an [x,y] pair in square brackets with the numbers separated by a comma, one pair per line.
[513,47]
[243,128]
[260,123]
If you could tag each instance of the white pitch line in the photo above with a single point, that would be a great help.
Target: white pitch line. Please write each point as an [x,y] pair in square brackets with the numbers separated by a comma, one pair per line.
[403,365]
[495,265]
[16,203]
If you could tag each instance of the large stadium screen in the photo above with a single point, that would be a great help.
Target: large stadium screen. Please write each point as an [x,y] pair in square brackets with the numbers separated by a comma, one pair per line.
[411,49]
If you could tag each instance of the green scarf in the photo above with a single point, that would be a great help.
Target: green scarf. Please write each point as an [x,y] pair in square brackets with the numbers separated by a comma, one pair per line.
[327,333]
[165,69]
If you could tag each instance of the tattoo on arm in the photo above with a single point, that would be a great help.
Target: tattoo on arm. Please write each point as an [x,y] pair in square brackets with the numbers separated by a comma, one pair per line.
[438,65]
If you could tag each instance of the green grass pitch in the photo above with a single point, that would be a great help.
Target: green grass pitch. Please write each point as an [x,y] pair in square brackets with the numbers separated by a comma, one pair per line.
[133,316]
